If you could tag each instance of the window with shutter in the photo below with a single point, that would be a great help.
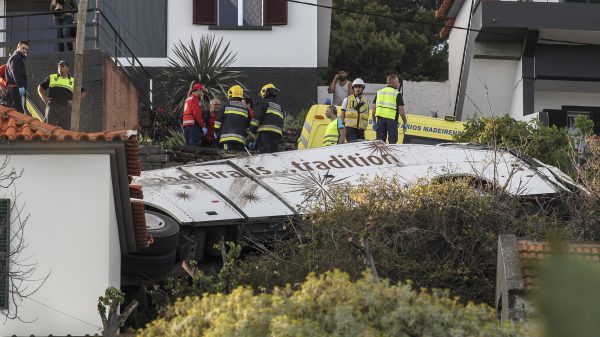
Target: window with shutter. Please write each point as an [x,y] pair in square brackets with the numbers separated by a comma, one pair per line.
[4,251]
[276,12]
[205,12]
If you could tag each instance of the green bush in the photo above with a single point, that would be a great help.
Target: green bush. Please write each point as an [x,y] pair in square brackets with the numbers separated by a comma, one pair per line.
[547,144]
[331,305]
[439,235]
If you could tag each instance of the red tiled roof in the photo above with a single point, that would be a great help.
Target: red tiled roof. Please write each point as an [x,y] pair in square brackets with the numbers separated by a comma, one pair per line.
[532,252]
[445,32]
[17,127]
[441,13]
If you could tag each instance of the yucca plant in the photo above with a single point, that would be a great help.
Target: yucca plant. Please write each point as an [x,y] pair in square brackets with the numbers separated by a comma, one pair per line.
[207,62]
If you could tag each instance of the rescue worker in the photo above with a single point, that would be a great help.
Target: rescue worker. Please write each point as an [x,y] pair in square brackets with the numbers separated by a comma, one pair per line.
[335,133]
[193,123]
[355,112]
[232,121]
[387,107]
[268,120]
[16,77]
[209,122]
[59,99]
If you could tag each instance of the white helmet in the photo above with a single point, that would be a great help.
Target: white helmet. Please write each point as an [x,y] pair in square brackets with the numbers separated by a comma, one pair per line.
[358,82]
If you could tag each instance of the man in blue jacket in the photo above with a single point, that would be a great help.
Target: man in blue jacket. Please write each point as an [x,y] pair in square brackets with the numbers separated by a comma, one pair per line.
[16,77]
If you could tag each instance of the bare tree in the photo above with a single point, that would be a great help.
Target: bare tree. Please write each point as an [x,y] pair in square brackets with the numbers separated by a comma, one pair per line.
[20,272]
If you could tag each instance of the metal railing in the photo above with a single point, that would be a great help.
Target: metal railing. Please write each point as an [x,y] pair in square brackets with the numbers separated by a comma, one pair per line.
[104,36]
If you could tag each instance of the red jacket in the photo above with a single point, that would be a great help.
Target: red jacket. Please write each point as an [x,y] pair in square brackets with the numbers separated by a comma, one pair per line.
[210,134]
[192,113]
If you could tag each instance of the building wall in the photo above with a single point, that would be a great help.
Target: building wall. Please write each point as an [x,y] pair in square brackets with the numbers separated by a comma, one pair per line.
[456,45]
[556,99]
[420,98]
[72,234]
[490,88]
[516,108]
[120,101]
[292,45]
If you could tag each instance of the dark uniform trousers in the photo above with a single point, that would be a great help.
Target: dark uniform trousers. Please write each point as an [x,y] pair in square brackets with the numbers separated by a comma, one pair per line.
[267,142]
[15,100]
[387,129]
[59,114]
[354,134]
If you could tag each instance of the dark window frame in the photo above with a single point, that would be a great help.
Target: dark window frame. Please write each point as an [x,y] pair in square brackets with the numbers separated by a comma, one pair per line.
[274,13]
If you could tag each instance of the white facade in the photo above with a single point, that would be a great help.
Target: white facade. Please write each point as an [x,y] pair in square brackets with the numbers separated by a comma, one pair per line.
[72,234]
[302,43]
[456,45]
[490,88]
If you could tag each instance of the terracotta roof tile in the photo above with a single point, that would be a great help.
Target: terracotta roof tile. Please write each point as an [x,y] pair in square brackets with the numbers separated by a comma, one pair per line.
[445,32]
[532,252]
[17,127]
[441,12]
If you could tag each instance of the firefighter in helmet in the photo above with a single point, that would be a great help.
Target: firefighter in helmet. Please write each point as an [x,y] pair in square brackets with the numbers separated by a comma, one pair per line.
[233,120]
[268,120]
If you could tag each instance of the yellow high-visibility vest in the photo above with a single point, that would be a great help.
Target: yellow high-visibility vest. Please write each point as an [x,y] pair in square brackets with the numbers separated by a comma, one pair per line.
[62,82]
[356,118]
[332,134]
[386,103]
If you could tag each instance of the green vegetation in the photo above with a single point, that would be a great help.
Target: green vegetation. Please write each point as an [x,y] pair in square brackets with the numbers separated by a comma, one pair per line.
[438,234]
[295,121]
[331,305]
[371,46]
[550,145]
[208,63]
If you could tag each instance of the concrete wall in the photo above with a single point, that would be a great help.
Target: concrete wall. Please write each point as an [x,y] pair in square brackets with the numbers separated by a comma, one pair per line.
[72,234]
[420,98]
[490,88]
[292,45]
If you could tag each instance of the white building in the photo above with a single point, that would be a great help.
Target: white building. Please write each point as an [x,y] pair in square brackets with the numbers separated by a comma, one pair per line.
[275,41]
[75,191]
[524,58]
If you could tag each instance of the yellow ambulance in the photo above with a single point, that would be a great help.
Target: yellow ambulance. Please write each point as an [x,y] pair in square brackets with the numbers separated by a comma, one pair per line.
[421,130]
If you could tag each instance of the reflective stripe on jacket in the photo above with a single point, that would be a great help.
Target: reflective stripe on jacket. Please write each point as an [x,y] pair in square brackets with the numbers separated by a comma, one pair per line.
[192,113]
[332,134]
[268,117]
[232,122]
[356,118]
[386,103]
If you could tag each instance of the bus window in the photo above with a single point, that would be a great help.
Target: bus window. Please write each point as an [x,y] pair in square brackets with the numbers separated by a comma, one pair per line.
[422,140]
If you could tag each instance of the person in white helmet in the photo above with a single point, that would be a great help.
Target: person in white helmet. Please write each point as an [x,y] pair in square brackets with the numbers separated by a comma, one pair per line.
[355,112]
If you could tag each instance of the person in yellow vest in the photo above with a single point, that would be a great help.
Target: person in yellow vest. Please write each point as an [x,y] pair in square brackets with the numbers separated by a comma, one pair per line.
[335,133]
[388,106]
[59,98]
[355,112]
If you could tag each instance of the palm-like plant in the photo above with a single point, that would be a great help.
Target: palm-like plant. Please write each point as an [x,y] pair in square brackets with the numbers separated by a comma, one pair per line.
[209,63]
